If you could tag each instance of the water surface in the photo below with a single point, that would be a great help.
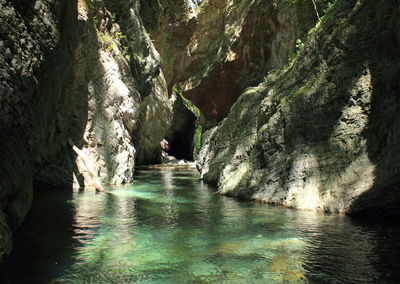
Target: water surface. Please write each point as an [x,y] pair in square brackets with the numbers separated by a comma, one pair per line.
[169,227]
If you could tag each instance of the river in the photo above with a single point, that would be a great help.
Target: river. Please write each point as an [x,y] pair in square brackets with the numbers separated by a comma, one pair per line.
[170,227]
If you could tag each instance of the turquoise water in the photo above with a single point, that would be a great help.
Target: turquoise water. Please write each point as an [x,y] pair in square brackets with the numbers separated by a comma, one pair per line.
[169,227]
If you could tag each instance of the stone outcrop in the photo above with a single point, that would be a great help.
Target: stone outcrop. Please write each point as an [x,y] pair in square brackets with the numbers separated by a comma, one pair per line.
[215,51]
[85,70]
[232,45]
[30,92]
[171,24]
[323,134]
[154,121]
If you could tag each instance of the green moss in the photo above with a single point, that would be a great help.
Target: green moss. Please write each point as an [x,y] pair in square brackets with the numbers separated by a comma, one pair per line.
[113,18]
[305,88]
[293,56]
[199,9]
[90,4]
[186,102]
[197,139]
[328,8]
[105,40]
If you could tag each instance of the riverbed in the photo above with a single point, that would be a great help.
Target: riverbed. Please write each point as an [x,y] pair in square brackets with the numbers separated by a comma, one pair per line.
[170,227]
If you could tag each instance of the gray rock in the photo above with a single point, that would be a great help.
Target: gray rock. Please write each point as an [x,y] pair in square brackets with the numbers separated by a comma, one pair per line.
[88,83]
[322,135]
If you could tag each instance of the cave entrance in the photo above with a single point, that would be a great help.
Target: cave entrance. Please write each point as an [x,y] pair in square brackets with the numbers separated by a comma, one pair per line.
[181,147]
[184,127]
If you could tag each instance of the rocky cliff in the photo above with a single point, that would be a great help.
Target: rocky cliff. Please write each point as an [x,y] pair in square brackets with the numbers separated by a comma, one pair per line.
[213,51]
[84,70]
[324,132]
[228,46]
[319,132]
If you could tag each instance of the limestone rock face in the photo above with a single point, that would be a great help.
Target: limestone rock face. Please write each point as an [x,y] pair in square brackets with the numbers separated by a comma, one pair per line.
[228,46]
[154,121]
[78,71]
[215,51]
[129,110]
[171,24]
[323,134]
[30,35]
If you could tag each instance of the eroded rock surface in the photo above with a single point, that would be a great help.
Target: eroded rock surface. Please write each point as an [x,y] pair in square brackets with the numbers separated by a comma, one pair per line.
[228,46]
[171,24]
[324,134]
[82,70]
[30,34]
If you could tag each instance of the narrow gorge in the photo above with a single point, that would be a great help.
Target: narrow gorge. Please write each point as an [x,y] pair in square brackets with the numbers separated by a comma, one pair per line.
[292,103]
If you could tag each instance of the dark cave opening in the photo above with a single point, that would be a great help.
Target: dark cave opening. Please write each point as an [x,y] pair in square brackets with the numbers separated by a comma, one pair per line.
[181,146]
[181,133]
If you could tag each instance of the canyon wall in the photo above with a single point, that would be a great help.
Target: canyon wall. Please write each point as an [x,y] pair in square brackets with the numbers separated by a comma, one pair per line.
[317,132]
[84,70]
[322,133]
[233,45]
[214,51]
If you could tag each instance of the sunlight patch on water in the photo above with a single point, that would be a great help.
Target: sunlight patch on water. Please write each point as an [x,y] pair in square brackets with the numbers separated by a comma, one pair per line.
[136,194]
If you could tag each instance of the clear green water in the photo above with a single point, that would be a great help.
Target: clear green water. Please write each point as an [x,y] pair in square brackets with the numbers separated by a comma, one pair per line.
[169,227]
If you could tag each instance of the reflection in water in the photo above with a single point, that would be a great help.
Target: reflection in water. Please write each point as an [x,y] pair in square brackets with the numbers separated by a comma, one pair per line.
[169,227]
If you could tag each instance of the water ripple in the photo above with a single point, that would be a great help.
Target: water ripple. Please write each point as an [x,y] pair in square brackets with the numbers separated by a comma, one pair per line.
[169,227]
